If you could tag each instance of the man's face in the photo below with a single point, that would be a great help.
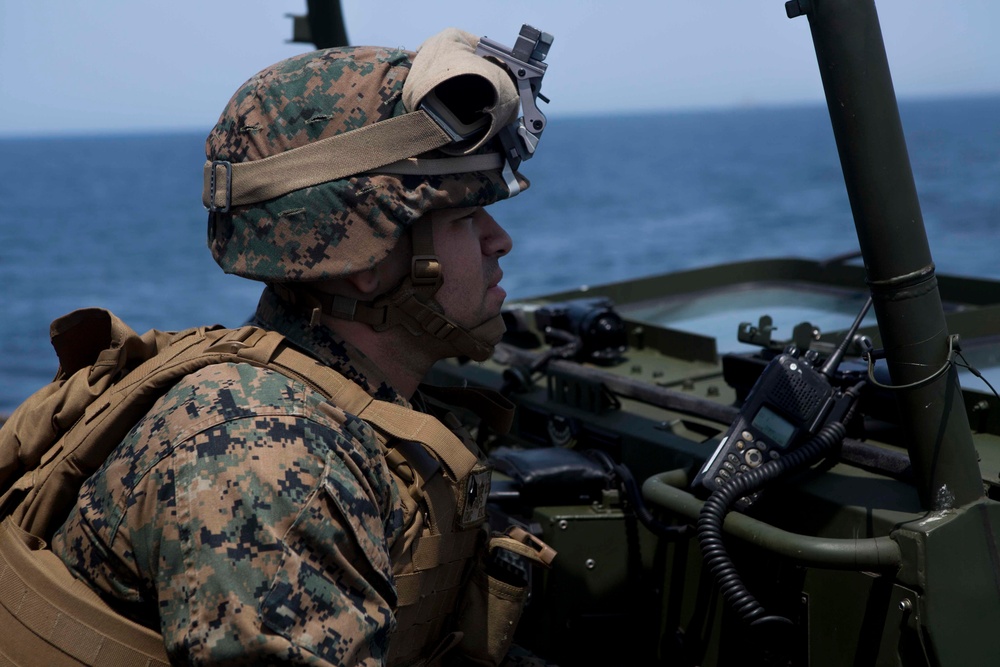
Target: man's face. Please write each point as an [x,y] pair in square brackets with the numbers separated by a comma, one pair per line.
[469,244]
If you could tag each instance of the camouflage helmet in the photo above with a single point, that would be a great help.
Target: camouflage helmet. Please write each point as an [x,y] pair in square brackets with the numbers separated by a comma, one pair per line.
[342,222]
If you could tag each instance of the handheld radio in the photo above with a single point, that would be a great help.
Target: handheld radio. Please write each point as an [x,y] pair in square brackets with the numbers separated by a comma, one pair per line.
[789,403]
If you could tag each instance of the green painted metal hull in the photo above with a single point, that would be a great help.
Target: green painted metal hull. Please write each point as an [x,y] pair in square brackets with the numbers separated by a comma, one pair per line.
[848,550]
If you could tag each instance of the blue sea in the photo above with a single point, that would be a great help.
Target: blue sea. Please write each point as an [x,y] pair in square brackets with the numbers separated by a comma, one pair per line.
[117,221]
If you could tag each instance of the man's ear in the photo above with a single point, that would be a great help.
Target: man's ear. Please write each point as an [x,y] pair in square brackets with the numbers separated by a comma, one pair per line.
[367,281]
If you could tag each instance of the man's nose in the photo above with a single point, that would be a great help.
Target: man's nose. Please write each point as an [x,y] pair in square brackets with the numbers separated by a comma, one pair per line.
[494,238]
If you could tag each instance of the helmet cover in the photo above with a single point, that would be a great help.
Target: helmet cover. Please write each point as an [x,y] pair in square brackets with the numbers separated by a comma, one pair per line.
[338,227]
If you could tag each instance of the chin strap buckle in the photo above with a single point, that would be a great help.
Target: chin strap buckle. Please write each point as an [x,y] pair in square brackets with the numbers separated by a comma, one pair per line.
[425,270]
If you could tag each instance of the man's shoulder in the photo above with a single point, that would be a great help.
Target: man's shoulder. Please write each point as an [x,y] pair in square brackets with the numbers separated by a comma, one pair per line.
[231,390]
[222,393]
[232,411]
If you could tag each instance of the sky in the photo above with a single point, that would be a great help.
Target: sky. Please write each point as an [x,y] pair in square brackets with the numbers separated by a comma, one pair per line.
[116,65]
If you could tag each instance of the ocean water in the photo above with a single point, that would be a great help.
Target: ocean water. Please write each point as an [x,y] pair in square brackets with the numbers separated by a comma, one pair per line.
[117,221]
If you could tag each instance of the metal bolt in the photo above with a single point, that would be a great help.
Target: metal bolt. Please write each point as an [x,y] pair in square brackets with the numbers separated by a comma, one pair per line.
[563,524]
[521,73]
[905,605]
[590,563]
[537,124]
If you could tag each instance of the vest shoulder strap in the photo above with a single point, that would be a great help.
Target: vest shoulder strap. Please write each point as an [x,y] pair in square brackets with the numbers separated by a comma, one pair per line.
[391,419]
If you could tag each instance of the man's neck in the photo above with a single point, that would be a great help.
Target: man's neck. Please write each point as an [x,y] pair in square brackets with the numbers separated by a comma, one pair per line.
[395,352]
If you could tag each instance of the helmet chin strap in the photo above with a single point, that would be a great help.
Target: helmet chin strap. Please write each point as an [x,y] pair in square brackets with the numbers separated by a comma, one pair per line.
[410,305]
[421,317]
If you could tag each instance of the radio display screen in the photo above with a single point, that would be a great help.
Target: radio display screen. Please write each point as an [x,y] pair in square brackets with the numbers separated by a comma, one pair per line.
[778,429]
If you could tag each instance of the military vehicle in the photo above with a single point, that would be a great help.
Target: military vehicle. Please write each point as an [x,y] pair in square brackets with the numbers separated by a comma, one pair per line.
[826,499]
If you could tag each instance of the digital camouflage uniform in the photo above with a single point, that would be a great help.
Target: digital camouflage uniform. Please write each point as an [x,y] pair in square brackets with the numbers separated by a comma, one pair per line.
[222,518]
[245,517]
[243,502]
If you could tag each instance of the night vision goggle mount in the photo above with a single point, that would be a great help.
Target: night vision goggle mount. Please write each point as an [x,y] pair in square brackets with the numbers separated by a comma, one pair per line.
[525,61]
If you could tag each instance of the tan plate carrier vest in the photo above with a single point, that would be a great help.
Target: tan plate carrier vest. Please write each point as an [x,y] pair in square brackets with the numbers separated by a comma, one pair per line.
[108,379]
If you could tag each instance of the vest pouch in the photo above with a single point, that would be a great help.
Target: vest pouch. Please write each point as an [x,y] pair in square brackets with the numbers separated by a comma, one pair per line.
[488,617]
[494,598]
[51,618]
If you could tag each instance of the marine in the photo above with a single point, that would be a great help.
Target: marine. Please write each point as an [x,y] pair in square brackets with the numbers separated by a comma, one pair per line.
[257,517]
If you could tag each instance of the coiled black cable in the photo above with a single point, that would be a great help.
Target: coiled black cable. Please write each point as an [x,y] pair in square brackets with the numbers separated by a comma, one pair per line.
[714,511]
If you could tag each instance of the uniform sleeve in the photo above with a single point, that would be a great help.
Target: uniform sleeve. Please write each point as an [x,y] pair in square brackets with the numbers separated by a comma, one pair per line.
[275,550]
[251,539]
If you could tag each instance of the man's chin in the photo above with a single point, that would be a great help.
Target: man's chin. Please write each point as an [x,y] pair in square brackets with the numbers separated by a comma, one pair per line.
[490,331]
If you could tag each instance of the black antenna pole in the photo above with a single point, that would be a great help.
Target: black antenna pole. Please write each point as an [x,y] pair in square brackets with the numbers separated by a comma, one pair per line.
[866,124]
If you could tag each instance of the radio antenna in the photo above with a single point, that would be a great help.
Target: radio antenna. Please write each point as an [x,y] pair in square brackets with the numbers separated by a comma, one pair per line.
[831,364]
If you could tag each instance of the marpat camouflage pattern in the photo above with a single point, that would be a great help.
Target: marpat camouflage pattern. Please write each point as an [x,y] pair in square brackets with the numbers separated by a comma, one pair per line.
[249,516]
[245,517]
[339,227]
